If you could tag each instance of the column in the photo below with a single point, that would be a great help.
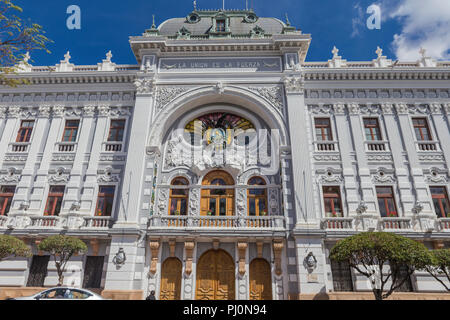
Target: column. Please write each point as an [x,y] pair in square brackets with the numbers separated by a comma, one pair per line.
[442,128]
[300,152]
[346,149]
[134,176]
[41,180]
[24,187]
[419,185]
[11,120]
[402,169]
[188,278]
[367,188]
[73,188]
[88,198]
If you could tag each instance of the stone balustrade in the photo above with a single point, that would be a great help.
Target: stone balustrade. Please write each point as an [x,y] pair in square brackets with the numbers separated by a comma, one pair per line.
[392,224]
[218,222]
[65,221]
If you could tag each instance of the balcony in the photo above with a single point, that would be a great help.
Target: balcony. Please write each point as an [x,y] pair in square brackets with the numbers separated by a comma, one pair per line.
[377,146]
[44,222]
[444,224]
[217,222]
[326,146]
[427,146]
[65,147]
[19,147]
[389,224]
[337,223]
[112,146]
[97,222]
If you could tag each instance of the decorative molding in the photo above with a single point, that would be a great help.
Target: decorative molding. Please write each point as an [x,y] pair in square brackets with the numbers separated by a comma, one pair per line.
[154,249]
[144,85]
[60,175]
[294,84]
[11,175]
[242,249]
[330,176]
[278,246]
[383,175]
[271,94]
[189,249]
[165,95]
[108,175]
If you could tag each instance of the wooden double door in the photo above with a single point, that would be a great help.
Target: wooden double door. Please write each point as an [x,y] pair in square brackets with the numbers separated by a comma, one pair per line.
[215,276]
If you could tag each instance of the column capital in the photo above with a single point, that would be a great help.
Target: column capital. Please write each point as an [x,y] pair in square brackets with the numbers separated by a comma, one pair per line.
[435,108]
[387,108]
[447,108]
[353,109]
[401,108]
[145,86]
[294,84]
[339,108]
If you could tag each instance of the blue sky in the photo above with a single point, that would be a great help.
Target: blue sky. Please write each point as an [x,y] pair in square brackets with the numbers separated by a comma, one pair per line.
[107,24]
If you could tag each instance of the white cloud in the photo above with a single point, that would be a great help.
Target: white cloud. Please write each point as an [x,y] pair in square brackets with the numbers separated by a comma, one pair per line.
[424,24]
[358,21]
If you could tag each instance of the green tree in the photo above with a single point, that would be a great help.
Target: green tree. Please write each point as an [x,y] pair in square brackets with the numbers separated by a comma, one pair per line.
[440,265]
[368,252]
[12,247]
[17,38]
[62,248]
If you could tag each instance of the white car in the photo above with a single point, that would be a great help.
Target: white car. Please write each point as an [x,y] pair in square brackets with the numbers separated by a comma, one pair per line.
[63,293]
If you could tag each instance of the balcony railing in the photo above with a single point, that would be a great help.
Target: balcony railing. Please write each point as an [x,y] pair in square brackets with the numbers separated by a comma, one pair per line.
[326,146]
[66,146]
[395,224]
[444,224]
[217,222]
[376,146]
[337,223]
[19,147]
[112,146]
[427,146]
[97,222]
[44,222]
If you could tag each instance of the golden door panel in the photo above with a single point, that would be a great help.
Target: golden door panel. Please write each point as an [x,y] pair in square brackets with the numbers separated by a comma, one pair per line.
[215,276]
[260,280]
[171,279]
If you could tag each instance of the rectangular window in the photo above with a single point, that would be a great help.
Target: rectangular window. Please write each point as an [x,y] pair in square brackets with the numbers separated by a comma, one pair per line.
[372,129]
[71,130]
[342,276]
[220,26]
[116,130]
[105,201]
[440,201]
[386,202]
[6,195]
[24,134]
[332,200]
[323,129]
[421,129]
[54,201]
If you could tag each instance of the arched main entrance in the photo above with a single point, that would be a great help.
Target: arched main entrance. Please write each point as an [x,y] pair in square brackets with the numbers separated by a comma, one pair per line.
[215,276]
[220,200]
[171,279]
[260,280]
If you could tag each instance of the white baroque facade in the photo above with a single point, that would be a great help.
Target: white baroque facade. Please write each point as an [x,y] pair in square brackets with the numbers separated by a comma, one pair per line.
[260,224]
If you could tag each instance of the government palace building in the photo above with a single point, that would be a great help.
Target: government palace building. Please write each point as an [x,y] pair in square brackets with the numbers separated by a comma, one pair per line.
[223,165]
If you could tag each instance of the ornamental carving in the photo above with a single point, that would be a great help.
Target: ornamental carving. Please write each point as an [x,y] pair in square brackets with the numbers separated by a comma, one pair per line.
[14,112]
[241,202]
[339,108]
[327,158]
[242,249]
[167,94]
[401,108]
[44,111]
[418,109]
[189,248]
[271,94]
[108,175]
[144,85]
[387,108]
[383,175]
[162,201]
[154,249]
[353,109]
[10,175]
[369,109]
[274,202]
[277,249]
[294,84]
[58,111]
[89,110]
[194,203]
[103,110]
[435,108]
[60,175]
[437,176]
[321,109]
[331,176]
[3,111]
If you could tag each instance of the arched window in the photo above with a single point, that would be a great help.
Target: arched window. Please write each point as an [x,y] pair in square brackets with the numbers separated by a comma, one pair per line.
[220,201]
[257,198]
[179,197]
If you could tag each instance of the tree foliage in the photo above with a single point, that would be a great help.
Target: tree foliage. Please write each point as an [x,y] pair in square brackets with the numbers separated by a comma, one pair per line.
[440,265]
[17,37]
[368,252]
[62,248]
[11,246]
